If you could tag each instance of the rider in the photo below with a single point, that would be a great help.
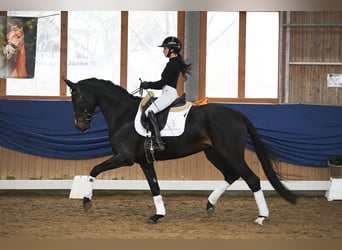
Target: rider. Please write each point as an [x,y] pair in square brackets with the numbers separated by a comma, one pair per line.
[168,83]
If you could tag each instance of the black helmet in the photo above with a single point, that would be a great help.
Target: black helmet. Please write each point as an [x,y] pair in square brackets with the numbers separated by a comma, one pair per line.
[172,42]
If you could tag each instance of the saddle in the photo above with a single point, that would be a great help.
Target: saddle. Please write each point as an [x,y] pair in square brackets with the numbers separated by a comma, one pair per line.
[162,115]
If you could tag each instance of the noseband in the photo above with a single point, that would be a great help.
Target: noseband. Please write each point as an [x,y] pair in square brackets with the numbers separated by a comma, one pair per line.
[13,46]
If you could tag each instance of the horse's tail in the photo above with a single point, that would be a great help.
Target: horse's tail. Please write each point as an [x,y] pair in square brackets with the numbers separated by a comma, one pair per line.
[263,155]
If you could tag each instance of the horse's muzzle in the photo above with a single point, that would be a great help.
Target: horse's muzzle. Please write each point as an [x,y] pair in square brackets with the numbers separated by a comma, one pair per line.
[82,126]
[9,51]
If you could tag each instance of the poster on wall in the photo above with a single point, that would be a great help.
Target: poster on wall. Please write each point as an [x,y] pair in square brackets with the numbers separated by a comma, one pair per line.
[18,36]
[334,80]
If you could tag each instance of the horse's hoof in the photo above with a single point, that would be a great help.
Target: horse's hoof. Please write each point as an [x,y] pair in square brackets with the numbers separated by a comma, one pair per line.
[260,220]
[151,221]
[210,212]
[154,219]
[210,209]
[86,204]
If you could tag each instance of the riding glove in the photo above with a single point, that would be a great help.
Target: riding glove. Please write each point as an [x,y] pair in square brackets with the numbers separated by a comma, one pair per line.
[145,85]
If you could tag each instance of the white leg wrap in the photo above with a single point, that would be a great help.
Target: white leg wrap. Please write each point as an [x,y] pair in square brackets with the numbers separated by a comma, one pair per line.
[159,204]
[216,194]
[88,189]
[261,203]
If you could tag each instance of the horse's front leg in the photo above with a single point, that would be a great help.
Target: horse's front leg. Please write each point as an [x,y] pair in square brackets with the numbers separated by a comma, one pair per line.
[115,161]
[151,177]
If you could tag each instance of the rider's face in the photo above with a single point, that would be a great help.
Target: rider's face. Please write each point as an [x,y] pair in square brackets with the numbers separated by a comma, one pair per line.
[166,51]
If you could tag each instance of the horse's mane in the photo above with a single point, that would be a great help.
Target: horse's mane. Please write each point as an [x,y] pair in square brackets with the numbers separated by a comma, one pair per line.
[109,84]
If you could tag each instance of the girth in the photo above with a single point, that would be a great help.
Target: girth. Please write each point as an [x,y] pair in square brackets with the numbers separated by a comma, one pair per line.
[162,115]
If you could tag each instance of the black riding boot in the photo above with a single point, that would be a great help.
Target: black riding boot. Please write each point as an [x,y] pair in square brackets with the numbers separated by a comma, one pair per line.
[158,144]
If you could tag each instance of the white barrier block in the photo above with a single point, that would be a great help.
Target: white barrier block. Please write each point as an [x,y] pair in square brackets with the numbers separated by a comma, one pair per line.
[335,190]
[77,187]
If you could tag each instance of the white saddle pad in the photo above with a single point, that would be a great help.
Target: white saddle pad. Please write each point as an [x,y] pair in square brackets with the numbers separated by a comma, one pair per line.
[174,125]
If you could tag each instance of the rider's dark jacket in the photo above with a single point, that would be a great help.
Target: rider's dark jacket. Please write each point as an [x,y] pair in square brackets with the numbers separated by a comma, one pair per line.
[169,75]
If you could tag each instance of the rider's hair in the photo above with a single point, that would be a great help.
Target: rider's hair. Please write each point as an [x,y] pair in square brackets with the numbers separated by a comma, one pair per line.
[185,68]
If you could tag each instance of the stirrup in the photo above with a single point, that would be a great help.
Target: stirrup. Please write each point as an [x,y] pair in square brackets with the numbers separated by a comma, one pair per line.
[158,146]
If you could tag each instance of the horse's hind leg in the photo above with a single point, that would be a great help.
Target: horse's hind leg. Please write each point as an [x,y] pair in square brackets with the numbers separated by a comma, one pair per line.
[253,183]
[214,197]
[262,206]
[229,174]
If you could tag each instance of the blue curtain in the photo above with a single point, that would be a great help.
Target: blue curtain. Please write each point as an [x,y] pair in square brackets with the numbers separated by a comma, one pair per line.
[300,134]
[47,128]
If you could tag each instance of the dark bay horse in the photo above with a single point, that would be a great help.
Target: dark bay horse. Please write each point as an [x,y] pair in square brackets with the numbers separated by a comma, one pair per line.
[217,130]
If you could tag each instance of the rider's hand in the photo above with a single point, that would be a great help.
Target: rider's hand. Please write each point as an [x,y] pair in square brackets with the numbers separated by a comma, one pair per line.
[144,85]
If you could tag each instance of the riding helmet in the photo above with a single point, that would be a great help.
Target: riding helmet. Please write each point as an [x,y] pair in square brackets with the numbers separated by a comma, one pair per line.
[172,42]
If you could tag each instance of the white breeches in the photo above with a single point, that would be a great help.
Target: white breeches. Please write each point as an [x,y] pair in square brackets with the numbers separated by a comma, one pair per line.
[168,96]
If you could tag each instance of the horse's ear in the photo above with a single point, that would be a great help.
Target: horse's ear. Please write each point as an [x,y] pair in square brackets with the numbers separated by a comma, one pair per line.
[70,83]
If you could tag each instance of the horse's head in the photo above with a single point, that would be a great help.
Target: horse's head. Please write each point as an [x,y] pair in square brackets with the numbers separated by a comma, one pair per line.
[84,106]
[15,40]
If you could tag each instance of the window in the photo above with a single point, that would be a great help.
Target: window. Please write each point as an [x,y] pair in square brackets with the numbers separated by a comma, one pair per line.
[94,45]
[46,77]
[261,55]
[146,31]
[262,38]
[222,54]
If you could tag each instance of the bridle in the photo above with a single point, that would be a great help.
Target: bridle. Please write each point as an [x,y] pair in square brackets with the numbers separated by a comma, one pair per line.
[15,47]
[88,116]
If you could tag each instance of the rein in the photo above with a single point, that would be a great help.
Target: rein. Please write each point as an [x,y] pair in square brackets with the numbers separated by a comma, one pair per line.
[120,100]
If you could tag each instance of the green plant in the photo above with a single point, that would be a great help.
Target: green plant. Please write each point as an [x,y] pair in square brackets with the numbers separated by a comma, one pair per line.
[335,160]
